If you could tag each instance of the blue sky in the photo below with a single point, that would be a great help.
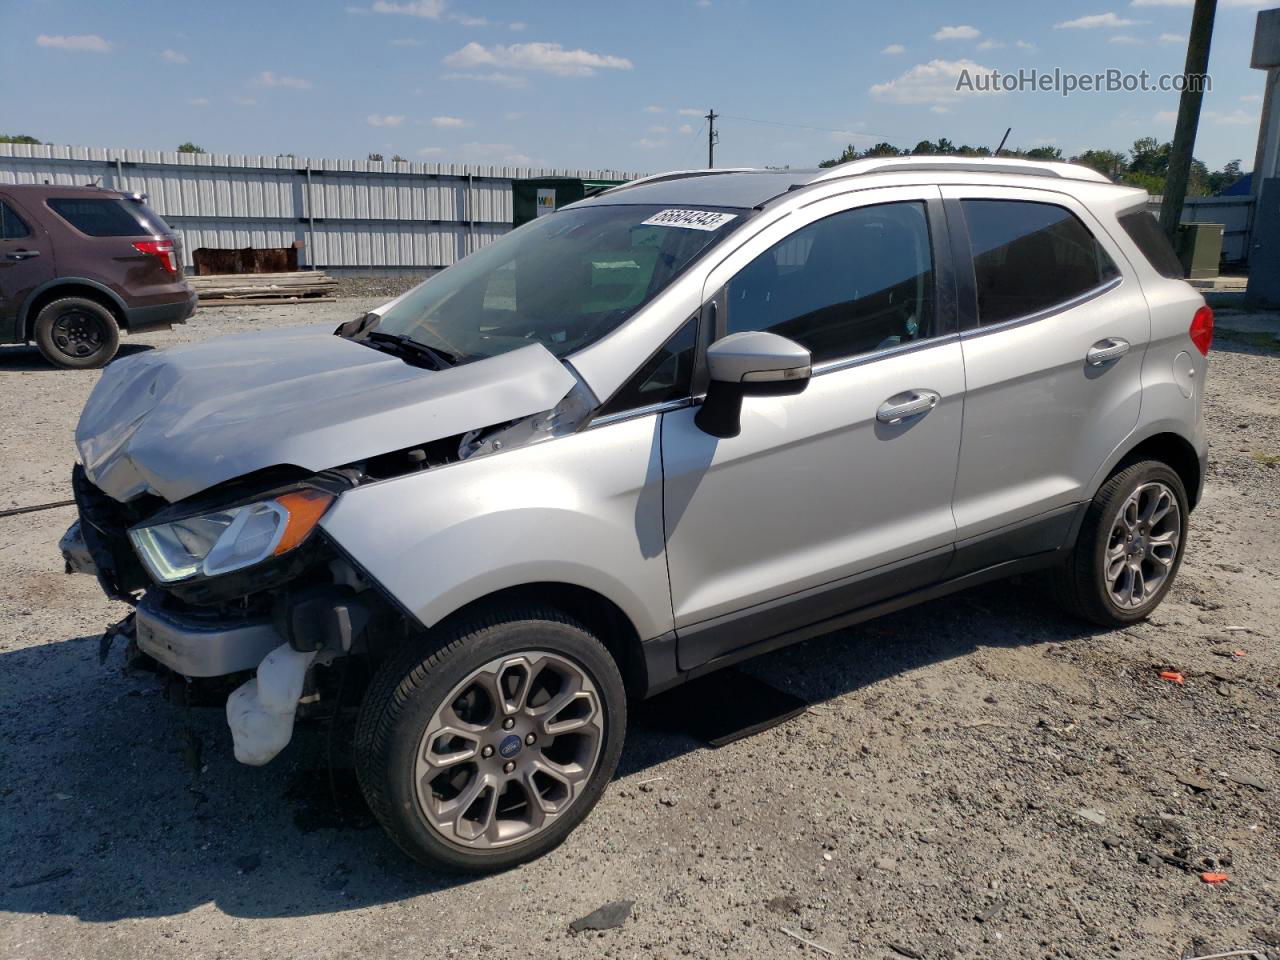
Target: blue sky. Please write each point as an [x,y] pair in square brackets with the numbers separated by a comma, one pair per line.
[603,85]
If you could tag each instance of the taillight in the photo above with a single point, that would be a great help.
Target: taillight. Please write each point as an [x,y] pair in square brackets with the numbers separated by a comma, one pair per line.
[1202,330]
[162,250]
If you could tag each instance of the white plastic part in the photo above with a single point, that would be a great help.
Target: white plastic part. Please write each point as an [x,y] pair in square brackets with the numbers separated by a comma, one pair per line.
[260,711]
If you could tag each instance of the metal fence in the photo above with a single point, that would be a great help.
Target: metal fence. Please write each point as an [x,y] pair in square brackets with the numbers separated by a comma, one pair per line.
[346,213]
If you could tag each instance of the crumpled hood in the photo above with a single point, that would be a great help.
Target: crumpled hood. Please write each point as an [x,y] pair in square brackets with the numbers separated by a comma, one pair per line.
[175,422]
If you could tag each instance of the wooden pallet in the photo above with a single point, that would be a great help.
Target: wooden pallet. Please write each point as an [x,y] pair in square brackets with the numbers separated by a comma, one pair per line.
[263,287]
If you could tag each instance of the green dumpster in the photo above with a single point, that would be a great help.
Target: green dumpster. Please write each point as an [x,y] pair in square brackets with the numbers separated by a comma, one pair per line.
[542,195]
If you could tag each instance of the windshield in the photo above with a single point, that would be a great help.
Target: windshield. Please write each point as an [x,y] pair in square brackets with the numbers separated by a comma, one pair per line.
[564,280]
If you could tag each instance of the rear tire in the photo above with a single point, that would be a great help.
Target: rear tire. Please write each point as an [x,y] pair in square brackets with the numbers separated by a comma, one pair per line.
[77,333]
[486,745]
[1129,548]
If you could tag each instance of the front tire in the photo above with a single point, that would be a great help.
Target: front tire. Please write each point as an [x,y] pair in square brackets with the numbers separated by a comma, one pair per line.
[486,746]
[1129,548]
[77,333]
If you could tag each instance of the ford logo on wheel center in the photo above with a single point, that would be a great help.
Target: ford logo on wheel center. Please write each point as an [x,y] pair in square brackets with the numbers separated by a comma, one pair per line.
[509,746]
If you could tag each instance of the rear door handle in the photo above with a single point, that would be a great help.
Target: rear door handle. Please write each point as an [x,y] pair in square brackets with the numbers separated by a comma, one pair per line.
[1104,351]
[913,403]
[22,255]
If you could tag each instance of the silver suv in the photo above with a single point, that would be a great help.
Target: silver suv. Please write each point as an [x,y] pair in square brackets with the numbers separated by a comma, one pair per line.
[666,428]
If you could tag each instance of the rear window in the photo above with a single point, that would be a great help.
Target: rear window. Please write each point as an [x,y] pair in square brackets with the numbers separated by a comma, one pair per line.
[1029,257]
[11,225]
[1144,230]
[108,216]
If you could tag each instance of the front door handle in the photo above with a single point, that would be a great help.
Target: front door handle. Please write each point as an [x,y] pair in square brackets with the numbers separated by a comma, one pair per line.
[1104,351]
[22,255]
[913,403]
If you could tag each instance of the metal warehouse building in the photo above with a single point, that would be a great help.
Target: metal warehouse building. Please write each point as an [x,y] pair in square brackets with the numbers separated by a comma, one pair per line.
[348,214]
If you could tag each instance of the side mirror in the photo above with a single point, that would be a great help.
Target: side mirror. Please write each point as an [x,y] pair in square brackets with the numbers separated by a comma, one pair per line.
[752,364]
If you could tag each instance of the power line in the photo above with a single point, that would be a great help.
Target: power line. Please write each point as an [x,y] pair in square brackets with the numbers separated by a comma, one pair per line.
[805,126]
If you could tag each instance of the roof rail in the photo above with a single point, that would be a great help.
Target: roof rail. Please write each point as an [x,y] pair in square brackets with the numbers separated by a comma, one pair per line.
[678,175]
[1034,168]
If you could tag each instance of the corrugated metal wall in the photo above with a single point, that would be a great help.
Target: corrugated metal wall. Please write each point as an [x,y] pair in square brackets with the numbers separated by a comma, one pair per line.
[366,213]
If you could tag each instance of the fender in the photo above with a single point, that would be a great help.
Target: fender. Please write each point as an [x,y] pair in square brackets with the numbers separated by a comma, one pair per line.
[22,328]
[1139,435]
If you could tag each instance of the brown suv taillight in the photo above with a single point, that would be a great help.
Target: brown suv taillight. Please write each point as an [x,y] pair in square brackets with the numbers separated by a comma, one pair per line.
[162,250]
[1202,329]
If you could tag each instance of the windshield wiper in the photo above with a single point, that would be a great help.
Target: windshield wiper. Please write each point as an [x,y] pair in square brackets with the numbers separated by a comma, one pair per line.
[407,347]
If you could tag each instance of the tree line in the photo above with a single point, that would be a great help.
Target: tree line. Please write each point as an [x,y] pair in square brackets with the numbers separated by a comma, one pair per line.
[1145,164]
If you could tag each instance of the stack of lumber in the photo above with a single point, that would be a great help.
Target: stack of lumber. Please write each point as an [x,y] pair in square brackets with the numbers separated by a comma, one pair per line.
[225,289]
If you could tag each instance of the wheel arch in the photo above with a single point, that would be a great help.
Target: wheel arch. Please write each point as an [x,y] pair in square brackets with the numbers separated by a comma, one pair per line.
[1167,446]
[70,287]
[601,616]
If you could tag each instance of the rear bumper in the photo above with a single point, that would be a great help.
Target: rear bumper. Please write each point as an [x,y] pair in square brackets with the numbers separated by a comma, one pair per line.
[162,315]
[203,648]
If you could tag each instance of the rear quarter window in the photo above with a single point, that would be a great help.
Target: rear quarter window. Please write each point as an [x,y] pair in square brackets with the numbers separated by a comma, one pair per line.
[1144,230]
[107,216]
[12,226]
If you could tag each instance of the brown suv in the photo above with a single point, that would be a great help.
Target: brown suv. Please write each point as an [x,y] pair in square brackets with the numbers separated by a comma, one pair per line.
[80,264]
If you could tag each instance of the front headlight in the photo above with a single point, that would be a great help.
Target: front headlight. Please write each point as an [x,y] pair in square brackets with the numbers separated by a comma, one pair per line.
[231,539]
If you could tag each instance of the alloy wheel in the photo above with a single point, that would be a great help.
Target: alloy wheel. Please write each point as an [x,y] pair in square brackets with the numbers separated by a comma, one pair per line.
[1142,546]
[509,750]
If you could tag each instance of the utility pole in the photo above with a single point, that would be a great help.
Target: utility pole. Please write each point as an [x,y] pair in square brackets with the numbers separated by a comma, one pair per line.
[1184,136]
[712,138]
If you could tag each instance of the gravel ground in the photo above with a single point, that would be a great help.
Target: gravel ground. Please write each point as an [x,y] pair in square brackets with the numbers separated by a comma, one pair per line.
[977,777]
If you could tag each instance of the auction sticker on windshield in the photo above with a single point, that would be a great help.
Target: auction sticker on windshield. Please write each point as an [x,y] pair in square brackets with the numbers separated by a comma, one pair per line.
[690,219]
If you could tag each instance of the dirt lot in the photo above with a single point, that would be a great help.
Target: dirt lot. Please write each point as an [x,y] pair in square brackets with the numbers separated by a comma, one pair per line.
[978,777]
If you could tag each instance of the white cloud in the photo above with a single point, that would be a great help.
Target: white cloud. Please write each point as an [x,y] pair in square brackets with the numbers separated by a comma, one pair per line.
[80,42]
[406,42]
[1251,98]
[245,101]
[430,151]
[427,9]
[508,80]
[198,102]
[1241,118]
[938,108]
[1125,40]
[1166,116]
[686,128]
[702,3]
[517,159]
[448,122]
[648,144]
[894,49]
[468,21]
[513,115]
[1172,38]
[962,32]
[547,57]
[690,112]
[517,25]
[658,128]
[269,79]
[652,109]
[385,119]
[930,82]
[990,44]
[360,11]
[173,56]
[1094,20]
[1024,45]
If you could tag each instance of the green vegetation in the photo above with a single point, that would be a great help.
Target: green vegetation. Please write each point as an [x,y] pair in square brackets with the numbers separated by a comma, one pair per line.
[1145,165]
[17,138]
[190,147]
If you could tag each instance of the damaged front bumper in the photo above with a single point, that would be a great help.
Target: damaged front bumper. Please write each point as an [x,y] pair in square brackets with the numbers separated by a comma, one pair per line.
[267,631]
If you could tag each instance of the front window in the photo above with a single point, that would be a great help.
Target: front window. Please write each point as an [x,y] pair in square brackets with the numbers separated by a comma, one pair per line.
[564,281]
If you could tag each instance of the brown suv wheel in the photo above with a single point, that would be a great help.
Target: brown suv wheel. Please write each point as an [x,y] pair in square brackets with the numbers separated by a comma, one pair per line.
[78,333]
